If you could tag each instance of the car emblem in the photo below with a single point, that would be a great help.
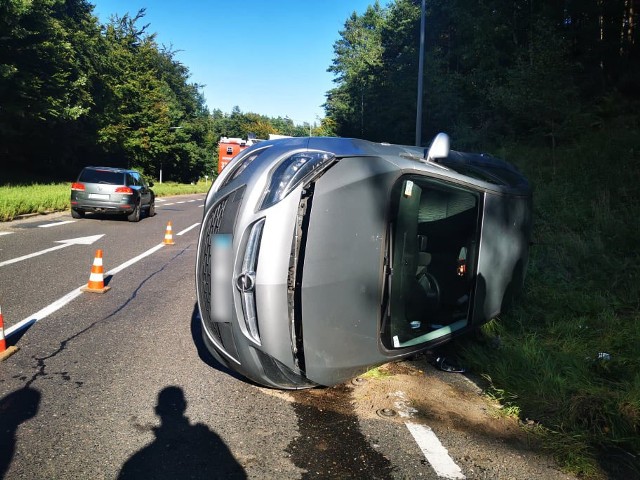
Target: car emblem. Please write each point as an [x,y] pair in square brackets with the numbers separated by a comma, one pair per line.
[246,282]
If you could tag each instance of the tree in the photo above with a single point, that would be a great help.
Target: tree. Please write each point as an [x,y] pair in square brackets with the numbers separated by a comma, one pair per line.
[47,80]
[358,58]
[154,118]
[493,69]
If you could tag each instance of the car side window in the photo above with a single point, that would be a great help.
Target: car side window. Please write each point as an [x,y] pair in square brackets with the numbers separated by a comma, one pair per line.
[131,180]
[140,180]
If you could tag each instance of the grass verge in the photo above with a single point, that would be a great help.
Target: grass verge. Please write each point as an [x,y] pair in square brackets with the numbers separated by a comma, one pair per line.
[567,356]
[42,198]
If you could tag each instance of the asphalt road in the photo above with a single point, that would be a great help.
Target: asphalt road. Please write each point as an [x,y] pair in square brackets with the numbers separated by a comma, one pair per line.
[117,385]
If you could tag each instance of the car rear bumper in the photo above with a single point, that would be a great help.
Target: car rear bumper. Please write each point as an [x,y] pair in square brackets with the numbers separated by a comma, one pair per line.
[125,205]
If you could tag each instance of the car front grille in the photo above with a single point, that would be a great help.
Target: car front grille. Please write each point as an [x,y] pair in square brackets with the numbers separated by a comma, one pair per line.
[220,219]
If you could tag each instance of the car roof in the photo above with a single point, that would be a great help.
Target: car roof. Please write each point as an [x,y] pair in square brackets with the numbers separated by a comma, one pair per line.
[340,146]
[110,169]
[497,172]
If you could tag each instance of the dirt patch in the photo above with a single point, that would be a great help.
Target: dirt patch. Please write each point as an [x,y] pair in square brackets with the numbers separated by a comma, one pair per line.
[445,400]
[333,398]
[485,444]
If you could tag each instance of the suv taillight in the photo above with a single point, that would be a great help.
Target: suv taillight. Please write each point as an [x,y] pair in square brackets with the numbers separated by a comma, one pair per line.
[124,190]
[77,186]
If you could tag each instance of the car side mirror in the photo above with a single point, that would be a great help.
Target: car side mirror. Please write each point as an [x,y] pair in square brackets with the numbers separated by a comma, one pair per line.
[151,184]
[439,148]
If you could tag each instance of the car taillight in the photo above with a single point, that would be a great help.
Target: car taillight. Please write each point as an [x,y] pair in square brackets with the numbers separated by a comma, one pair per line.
[124,190]
[77,186]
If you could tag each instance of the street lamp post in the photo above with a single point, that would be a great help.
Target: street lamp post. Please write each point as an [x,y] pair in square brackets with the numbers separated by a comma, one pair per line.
[419,100]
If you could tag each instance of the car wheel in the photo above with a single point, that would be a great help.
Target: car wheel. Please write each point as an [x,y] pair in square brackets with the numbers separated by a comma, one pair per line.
[135,215]
[77,213]
[152,208]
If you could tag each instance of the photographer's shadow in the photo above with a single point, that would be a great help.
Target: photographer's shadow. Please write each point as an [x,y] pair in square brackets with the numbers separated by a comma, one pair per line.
[181,450]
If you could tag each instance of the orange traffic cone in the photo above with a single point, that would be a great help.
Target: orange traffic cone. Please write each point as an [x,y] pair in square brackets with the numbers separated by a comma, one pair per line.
[168,235]
[4,351]
[96,279]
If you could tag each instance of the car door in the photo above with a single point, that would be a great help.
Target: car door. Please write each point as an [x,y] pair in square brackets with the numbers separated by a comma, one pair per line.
[145,194]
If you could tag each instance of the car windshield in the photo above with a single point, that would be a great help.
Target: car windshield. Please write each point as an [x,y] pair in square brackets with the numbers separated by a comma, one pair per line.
[101,176]
[432,245]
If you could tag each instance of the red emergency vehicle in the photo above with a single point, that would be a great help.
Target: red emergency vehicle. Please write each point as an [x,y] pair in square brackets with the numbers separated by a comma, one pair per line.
[229,148]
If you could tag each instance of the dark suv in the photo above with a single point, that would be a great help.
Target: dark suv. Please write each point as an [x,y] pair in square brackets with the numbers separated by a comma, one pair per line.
[112,190]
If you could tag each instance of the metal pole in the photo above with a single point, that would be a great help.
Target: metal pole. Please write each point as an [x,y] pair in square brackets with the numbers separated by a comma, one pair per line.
[419,100]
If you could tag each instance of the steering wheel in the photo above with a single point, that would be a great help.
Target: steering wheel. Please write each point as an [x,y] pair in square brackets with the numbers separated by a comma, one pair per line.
[431,290]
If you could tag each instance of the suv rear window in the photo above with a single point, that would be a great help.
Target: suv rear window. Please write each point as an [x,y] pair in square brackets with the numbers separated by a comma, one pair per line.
[101,176]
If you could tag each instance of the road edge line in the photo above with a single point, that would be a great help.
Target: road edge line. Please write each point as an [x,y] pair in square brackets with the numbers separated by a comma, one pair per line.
[435,453]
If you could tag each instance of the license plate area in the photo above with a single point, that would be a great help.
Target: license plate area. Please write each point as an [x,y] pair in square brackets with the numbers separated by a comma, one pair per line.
[99,196]
[221,273]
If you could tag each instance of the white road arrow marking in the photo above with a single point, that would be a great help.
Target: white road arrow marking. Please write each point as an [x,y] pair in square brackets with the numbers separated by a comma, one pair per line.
[65,243]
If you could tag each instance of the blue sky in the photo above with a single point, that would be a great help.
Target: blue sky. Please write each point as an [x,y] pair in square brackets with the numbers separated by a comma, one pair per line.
[267,57]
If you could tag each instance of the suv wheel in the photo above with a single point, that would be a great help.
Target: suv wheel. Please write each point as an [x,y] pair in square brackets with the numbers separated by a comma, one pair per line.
[77,213]
[135,215]
[152,208]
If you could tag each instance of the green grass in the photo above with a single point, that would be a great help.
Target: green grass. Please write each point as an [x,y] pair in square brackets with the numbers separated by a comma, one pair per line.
[581,299]
[42,198]
[171,188]
[377,372]
[19,200]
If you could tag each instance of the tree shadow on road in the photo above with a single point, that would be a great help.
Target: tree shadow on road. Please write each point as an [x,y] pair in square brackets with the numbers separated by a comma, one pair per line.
[15,408]
[181,450]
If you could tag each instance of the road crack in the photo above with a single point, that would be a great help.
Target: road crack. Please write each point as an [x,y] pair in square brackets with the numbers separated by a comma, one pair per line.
[41,362]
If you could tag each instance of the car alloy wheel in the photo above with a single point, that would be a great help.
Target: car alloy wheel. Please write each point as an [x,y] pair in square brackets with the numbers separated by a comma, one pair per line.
[135,215]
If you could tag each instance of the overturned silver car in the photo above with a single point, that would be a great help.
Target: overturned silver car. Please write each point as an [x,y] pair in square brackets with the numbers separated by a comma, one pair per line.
[319,258]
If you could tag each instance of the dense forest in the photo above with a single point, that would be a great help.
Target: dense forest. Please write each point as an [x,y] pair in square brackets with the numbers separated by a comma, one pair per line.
[535,70]
[74,92]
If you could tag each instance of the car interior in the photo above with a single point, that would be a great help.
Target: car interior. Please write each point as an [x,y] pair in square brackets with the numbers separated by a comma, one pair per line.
[434,244]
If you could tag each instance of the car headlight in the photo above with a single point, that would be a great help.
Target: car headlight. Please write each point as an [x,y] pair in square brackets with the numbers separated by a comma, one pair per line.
[291,172]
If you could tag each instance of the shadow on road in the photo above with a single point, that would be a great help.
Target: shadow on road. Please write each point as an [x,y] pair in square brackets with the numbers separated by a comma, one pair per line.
[181,450]
[15,408]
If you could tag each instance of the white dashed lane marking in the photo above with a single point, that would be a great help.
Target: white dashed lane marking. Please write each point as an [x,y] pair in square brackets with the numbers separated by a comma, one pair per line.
[187,229]
[55,224]
[61,302]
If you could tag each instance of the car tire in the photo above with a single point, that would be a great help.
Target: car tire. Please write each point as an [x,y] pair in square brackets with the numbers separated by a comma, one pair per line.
[152,209]
[135,215]
[77,213]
